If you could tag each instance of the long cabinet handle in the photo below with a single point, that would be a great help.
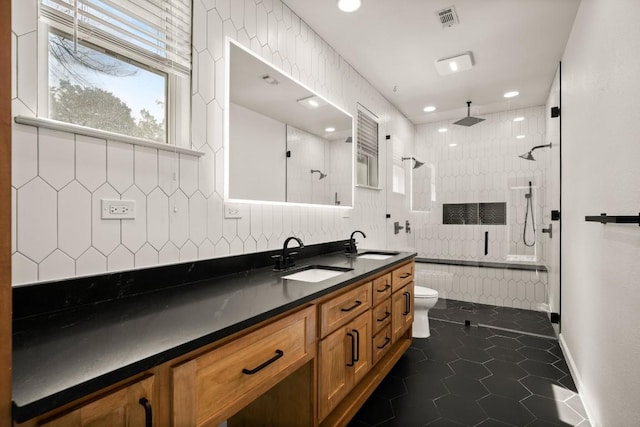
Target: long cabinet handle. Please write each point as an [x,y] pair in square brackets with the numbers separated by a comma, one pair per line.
[148,411]
[387,340]
[404,276]
[385,317]
[353,349]
[357,304]
[279,354]
[407,303]
[357,356]
[387,286]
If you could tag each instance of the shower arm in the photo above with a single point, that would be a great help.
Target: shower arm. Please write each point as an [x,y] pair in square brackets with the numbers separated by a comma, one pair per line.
[540,146]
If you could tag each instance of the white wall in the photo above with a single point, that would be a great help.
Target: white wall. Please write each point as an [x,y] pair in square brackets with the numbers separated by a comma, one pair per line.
[59,178]
[601,158]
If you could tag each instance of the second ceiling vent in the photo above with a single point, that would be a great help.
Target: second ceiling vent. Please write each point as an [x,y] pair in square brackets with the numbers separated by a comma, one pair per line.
[448,17]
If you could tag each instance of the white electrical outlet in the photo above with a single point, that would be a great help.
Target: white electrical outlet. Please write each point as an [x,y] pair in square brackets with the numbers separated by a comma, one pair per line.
[118,209]
[234,210]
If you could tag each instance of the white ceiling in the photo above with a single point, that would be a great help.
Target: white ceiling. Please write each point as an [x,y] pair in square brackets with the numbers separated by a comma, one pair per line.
[516,44]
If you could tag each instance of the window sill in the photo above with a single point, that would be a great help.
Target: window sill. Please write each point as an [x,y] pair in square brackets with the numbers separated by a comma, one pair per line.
[96,133]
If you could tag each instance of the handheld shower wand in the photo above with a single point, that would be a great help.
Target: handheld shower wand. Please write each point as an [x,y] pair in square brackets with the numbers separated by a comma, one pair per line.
[529,197]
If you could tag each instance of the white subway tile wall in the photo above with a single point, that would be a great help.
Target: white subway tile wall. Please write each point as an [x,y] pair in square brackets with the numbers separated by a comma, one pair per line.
[508,288]
[60,178]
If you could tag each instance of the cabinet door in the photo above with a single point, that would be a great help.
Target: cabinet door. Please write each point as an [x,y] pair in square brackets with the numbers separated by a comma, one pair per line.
[402,311]
[131,406]
[344,358]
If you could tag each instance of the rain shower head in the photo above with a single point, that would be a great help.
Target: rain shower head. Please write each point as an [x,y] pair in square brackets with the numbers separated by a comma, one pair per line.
[416,163]
[468,121]
[322,175]
[529,155]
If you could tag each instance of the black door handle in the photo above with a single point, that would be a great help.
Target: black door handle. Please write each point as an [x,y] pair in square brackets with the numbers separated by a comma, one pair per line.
[358,303]
[385,317]
[404,276]
[407,303]
[353,349]
[357,358]
[387,286]
[279,354]
[387,340]
[148,411]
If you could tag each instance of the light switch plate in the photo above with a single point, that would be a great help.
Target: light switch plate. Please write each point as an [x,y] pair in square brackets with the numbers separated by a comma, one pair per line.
[118,209]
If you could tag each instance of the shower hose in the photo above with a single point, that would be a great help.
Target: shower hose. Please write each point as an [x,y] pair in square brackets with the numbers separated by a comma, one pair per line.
[529,198]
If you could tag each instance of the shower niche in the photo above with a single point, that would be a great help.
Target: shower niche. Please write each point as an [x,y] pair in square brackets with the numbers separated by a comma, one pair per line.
[283,142]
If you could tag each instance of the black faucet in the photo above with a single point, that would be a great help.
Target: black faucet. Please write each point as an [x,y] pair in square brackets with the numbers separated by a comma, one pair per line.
[351,249]
[286,260]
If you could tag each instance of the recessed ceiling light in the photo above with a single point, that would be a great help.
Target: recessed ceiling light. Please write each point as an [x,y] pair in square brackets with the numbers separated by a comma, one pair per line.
[518,119]
[429,109]
[330,129]
[349,5]
[312,102]
[442,130]
[520,136]
[453,144]
[511,94]
[453,66]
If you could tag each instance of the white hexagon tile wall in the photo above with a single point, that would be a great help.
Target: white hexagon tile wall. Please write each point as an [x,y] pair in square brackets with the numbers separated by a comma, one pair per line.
[59,178]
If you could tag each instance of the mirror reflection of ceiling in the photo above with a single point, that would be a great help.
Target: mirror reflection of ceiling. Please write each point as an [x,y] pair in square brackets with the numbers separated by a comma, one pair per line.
[250,88]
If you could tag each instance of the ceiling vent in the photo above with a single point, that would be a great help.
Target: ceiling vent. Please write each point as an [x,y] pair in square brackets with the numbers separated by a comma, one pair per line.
[448,17]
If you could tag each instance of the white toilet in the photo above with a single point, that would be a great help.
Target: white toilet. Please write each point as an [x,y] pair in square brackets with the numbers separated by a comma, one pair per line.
[424,299]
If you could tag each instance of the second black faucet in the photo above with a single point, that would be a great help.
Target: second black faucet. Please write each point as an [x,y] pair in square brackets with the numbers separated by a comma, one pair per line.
[351,248]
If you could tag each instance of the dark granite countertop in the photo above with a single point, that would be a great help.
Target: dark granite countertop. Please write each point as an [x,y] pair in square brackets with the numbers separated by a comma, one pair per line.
[63,355]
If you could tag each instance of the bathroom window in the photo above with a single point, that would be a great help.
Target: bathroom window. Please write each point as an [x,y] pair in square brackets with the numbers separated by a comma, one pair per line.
[367,159]
[121,66]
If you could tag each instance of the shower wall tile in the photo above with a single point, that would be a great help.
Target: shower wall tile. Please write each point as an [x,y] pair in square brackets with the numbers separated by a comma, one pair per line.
[59,179]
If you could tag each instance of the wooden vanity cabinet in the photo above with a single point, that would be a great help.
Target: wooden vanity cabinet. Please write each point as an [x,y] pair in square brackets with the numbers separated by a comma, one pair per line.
[132,405]
[215,385]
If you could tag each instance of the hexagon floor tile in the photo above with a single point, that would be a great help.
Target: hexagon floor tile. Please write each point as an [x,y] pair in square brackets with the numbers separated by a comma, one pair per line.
[476,376]
[533,322]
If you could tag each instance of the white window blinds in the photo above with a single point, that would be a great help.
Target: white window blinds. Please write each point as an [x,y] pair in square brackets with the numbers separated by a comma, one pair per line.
[156,33]
[367,133]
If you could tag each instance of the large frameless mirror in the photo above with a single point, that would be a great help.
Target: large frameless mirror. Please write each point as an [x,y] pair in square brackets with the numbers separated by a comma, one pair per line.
[284,142]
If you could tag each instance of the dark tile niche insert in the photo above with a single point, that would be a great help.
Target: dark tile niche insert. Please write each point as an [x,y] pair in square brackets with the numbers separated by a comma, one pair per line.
[475,213]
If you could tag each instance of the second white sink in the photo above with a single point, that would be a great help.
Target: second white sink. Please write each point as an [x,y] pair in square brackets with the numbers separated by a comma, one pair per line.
[314,275]
[374,256]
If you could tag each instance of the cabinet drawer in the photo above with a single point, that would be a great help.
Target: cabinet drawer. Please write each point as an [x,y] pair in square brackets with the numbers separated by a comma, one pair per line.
[215,385]
[402,275]
[381,288]
[381,343]
[341,309]
[381,315]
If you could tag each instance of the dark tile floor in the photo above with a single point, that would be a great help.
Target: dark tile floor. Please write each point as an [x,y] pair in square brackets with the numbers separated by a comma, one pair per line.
[529,321]
[476,376]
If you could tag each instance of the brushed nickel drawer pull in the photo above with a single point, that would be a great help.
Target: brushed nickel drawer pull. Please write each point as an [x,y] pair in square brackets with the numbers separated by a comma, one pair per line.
[387,340]
[279,354]
[357,304]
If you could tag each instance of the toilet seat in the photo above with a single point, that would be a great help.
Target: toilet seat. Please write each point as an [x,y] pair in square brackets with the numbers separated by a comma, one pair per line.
[422,292]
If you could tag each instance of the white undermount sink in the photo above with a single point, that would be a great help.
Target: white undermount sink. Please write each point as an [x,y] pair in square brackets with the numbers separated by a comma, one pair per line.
[316,274]
[374,256]
[377,255]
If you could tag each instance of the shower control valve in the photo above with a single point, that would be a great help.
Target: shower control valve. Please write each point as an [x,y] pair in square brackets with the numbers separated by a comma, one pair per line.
[407,227]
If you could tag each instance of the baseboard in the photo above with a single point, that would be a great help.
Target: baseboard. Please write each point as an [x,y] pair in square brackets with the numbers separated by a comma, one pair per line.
[584,396]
